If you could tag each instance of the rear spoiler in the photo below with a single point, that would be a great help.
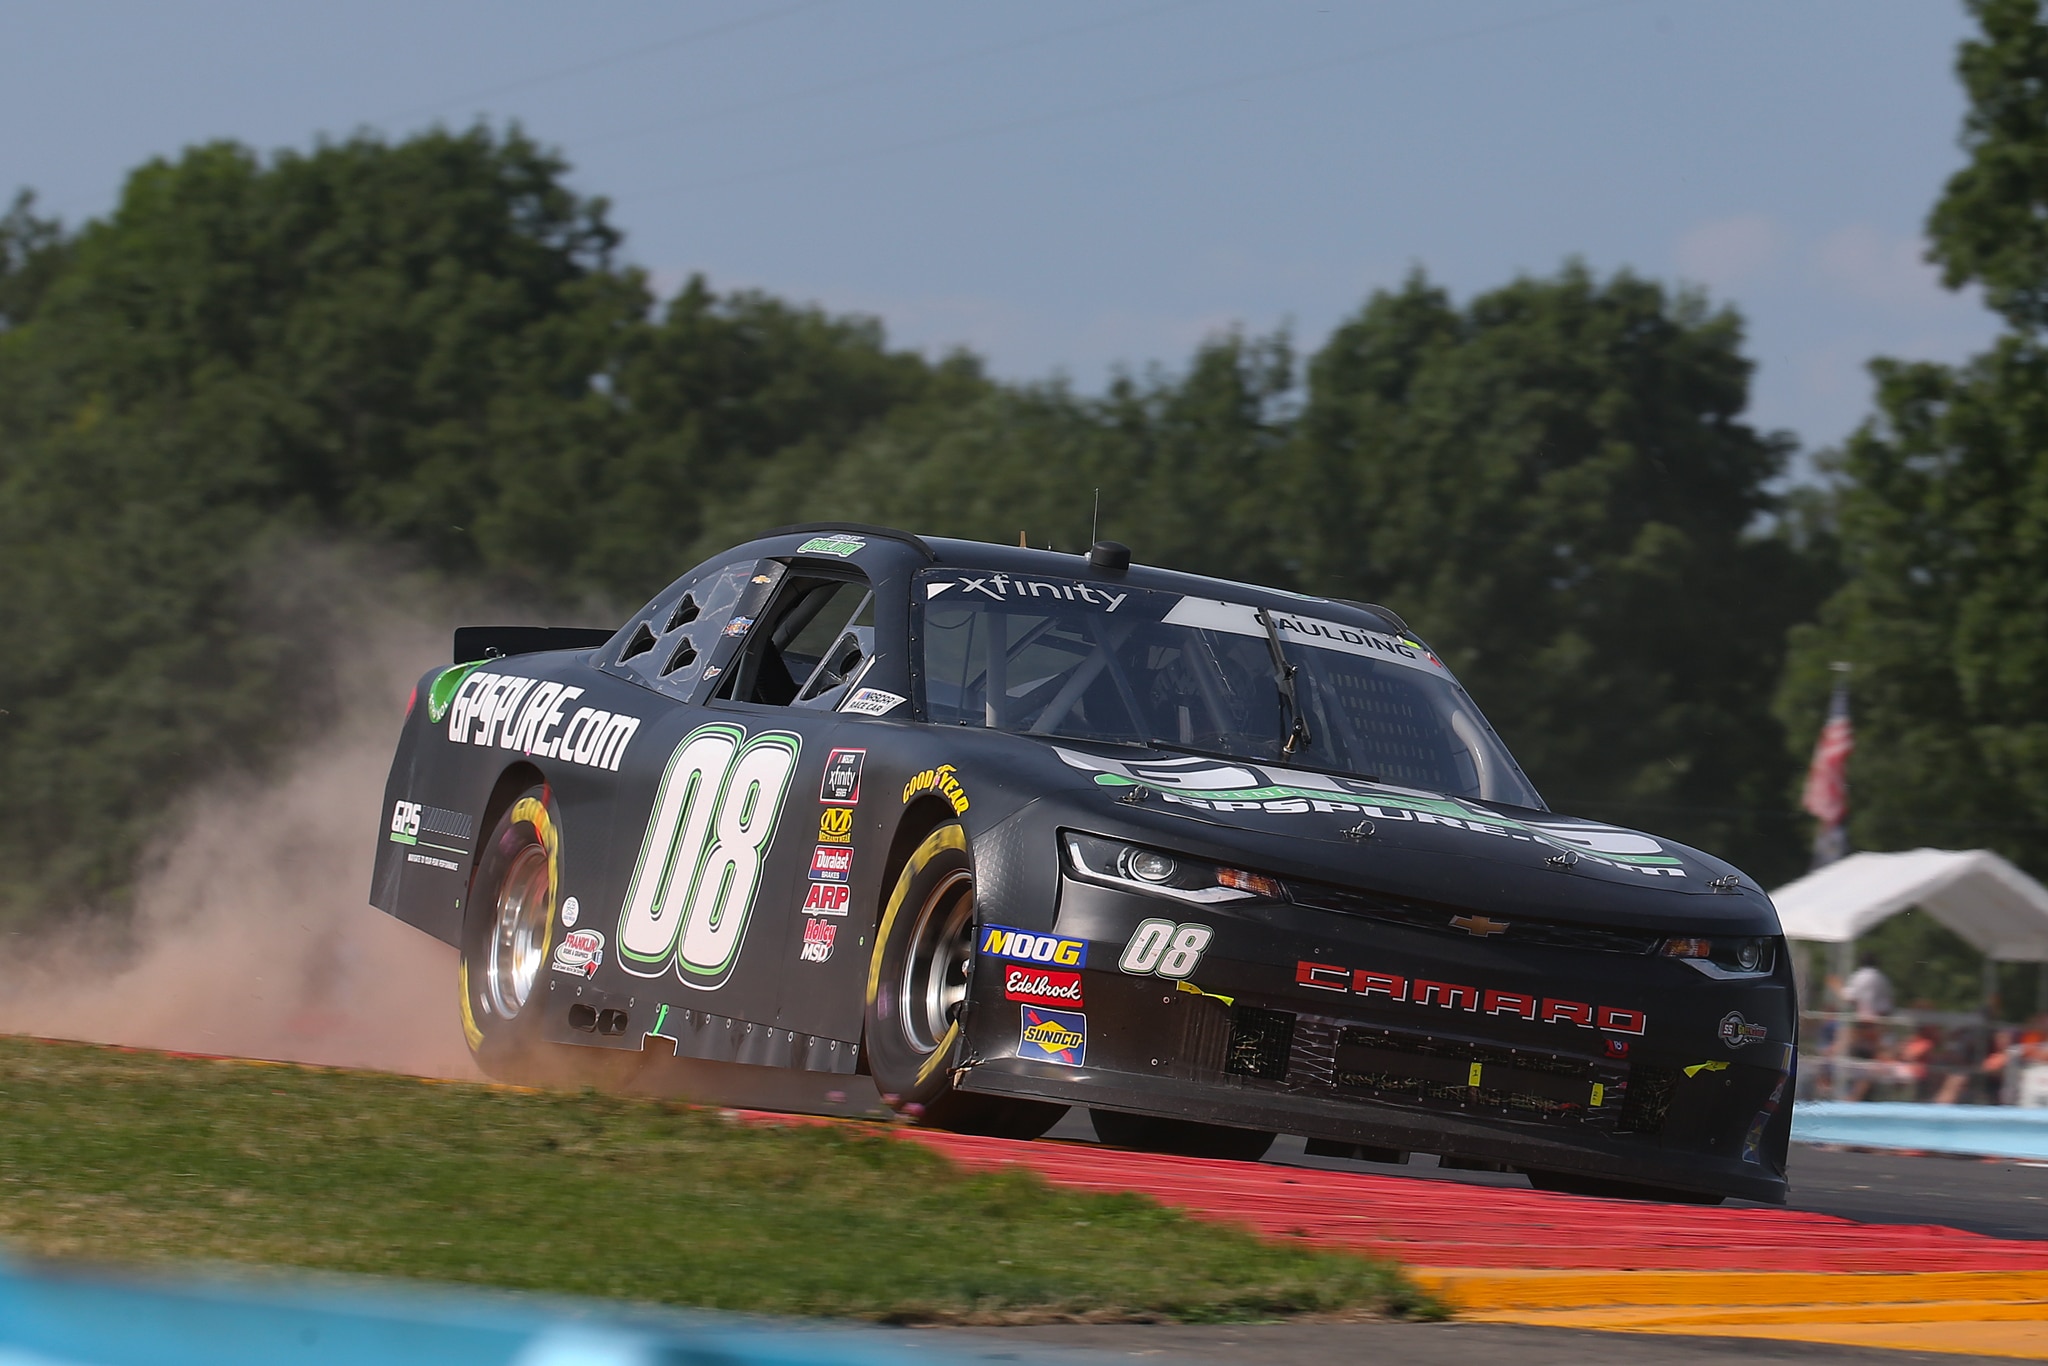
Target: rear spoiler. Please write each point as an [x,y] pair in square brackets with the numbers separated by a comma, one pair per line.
[496,642]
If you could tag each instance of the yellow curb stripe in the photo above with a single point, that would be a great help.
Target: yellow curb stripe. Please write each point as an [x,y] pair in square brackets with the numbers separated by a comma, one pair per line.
[1486,1290]
[1990,1313]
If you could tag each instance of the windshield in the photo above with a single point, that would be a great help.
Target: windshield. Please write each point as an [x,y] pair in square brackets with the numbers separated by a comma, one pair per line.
[1062,657]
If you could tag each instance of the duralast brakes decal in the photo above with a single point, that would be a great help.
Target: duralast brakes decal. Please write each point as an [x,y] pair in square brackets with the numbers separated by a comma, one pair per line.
[941,780]
[702,858]
[1423,991]
[534,717]
[1225,786]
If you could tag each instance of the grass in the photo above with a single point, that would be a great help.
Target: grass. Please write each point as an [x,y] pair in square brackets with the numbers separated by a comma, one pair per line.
[141,1158]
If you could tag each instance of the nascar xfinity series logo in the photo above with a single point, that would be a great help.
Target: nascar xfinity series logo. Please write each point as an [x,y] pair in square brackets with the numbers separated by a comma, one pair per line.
[533,717]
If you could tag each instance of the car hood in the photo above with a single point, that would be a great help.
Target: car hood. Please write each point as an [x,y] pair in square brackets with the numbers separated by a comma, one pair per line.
[1402,841]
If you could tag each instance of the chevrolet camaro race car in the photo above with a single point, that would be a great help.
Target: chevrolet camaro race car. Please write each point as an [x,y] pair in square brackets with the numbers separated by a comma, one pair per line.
[1006,830]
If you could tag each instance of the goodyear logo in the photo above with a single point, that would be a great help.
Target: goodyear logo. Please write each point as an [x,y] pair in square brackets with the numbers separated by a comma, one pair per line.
[1059,1036]
[1025,946]
[941,780]
[836,825]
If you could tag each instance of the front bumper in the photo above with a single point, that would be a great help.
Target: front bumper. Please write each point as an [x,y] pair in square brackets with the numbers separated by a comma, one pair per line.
[1327,1025]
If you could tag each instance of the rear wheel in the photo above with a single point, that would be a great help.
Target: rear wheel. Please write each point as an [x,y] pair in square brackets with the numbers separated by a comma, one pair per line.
[1182,1137]
[1571,1183]
[508,928]
[917,990]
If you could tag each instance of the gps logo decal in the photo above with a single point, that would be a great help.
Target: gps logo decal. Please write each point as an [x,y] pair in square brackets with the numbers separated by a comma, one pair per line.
[1004,942]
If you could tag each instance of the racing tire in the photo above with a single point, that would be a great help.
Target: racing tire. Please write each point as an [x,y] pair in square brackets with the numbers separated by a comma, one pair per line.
[508,930]
[1180,1137]
[917,996]
[1571,1183]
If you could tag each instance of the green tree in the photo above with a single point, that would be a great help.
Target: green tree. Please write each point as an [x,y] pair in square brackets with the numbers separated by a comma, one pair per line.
[1554,484]
[426,345]
[1942,505]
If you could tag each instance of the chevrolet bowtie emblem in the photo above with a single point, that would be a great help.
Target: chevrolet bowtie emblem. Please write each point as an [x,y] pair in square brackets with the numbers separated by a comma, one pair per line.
[1478,924]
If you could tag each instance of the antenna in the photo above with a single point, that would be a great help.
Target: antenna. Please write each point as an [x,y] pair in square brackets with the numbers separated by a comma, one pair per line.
[1022,544]
[1095,526]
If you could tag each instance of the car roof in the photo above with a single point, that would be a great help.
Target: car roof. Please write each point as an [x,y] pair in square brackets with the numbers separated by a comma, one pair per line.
[951,552]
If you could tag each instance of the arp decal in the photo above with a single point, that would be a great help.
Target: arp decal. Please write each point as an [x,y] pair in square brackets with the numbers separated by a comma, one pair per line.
[533,717]
[841,784]
[835,826]
[700,863]
[580,953]
[827,898]
[831,863]
[1423,991]
[1041,986]
[839,545]
[1735,1031]
[942,780]
[1026,947]
[1226,786]
[1162,948]
[872,702]
[817,941]
[1059,1036]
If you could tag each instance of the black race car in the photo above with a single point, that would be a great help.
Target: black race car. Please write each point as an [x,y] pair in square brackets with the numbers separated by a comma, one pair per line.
[1007,830]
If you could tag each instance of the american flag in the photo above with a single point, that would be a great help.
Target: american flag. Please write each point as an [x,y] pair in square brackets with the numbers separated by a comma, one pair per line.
[1827,778]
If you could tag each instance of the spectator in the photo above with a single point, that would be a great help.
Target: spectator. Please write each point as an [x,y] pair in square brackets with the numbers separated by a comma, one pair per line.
[1868,992]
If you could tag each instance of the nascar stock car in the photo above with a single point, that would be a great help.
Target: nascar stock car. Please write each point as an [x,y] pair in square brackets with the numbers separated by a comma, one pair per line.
[1008,830]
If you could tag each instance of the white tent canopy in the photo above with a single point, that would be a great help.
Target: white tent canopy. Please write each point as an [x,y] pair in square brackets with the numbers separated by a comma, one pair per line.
[1997,909]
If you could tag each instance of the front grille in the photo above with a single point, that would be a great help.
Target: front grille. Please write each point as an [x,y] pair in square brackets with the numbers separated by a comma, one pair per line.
[1437,920]
[1260,1041]
[1649,1100]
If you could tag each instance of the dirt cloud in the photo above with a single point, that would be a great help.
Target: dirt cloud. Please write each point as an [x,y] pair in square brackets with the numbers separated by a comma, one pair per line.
[251,934]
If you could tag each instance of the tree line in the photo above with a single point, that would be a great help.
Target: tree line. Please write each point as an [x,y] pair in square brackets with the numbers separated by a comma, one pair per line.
[433,347]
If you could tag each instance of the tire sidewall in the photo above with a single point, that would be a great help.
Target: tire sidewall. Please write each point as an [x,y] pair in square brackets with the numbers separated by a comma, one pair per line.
[528,819]
[900,1069]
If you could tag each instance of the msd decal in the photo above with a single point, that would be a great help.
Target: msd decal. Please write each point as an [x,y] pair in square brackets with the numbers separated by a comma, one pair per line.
[817,943]
[1041,986]
[1421,991]
[1059,1036]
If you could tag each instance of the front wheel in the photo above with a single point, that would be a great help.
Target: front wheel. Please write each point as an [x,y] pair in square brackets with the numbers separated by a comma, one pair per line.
[917,991]
[508,928]
[1181,1137]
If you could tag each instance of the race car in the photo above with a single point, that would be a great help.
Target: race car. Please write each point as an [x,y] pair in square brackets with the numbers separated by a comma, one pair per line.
[1006,831]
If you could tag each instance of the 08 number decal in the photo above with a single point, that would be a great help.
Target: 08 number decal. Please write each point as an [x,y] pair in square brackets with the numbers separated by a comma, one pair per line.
[1162,948]
[694,886]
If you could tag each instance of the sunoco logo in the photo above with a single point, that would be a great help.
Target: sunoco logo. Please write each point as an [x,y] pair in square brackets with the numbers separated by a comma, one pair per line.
[1059,1036]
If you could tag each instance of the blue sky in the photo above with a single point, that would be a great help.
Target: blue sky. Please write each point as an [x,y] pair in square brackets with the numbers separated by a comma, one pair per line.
[1069,186]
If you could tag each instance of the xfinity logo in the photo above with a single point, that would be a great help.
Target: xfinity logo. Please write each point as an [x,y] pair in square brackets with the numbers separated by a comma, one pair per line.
[1003,588]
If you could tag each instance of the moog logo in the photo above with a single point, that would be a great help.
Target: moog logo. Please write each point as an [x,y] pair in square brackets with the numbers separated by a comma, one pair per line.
[1004,942]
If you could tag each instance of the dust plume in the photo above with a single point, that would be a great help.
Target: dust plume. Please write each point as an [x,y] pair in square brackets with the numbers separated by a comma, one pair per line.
[251,933]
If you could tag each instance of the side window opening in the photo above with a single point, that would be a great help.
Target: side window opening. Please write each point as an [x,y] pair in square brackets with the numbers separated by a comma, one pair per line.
[810,646]
[641,642]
